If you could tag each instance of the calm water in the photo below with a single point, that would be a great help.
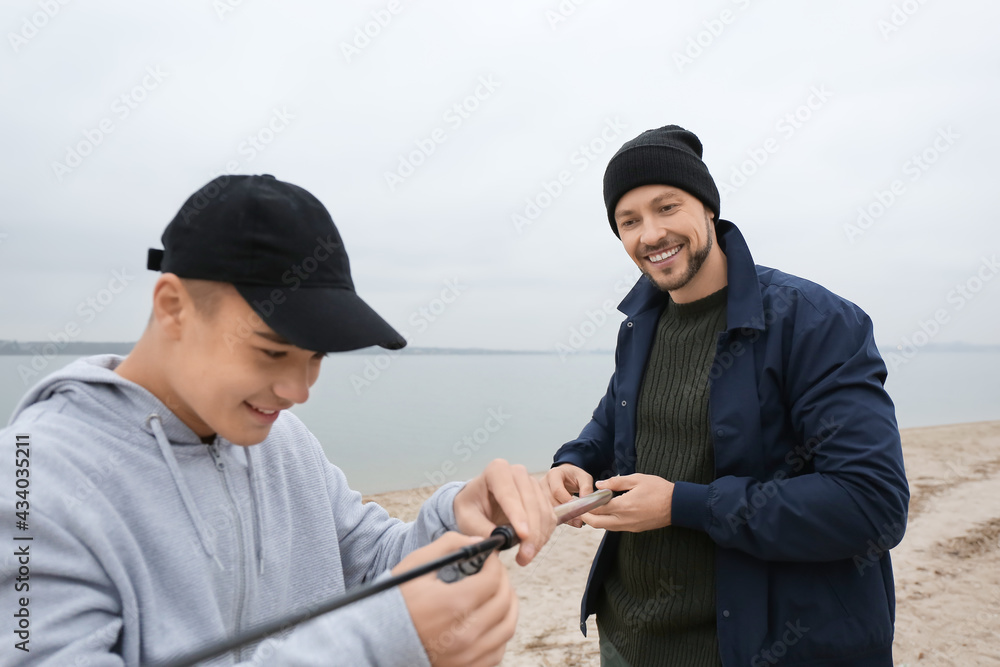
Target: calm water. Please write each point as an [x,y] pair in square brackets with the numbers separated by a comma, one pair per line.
[396,422]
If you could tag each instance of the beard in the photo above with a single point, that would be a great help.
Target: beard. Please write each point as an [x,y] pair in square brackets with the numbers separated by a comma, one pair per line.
[697,259]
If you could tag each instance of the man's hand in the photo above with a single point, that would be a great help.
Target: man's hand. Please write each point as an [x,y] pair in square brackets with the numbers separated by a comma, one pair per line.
[646,506]
[505,494]
[563,481]
[466,623]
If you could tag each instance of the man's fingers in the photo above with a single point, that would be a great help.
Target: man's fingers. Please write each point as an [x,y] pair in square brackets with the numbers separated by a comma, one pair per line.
[521,509]
[541,517]
[549,521]
[524,503]
[477,524]
[613,506]
[494,641]
[488,647]
[485,590]
[556,484]
[565,480]
[600,521]
[620,482]
[504,484]
[447,543]
[455,621]
[584,482]
[494,608]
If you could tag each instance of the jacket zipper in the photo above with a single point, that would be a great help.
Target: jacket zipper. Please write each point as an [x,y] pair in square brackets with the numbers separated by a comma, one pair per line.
[241,578]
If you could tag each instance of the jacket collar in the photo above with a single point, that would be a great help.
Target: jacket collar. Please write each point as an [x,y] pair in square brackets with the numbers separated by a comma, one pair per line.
[744,309]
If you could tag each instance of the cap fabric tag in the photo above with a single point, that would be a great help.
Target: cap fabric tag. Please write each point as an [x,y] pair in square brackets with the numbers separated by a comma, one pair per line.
[154,259]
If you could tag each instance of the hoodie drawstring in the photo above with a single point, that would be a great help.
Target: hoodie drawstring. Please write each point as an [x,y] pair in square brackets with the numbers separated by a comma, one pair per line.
[168,455]
[257,501]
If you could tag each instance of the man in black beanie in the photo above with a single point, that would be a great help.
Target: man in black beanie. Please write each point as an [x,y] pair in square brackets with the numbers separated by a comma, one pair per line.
[750,439]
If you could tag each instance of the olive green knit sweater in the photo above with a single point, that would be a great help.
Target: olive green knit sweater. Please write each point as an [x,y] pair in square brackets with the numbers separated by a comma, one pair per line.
[658,603]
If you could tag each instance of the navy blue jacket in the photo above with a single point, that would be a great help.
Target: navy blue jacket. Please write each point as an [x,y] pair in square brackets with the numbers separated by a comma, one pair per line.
[809,492]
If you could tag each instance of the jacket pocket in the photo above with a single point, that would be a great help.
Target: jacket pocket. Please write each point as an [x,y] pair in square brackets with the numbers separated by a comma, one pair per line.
[826,610]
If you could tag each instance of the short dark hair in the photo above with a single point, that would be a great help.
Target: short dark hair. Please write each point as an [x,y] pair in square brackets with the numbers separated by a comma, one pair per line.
[205,294]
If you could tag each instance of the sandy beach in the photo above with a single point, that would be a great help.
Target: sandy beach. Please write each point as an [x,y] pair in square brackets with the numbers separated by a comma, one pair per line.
[947,567]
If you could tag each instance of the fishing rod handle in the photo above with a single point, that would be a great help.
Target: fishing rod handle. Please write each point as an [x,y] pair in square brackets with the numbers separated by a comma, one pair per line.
[505,538]
[468,566]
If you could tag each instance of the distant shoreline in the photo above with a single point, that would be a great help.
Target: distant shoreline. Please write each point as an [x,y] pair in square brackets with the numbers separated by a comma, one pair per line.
[49,348]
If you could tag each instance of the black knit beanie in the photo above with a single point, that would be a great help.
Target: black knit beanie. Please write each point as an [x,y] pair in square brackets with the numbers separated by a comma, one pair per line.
[669,155]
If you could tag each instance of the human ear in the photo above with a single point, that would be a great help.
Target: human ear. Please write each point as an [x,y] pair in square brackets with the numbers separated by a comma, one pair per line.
[172,305]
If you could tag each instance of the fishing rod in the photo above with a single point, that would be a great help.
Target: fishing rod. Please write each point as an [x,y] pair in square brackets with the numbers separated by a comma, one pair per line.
[452,567]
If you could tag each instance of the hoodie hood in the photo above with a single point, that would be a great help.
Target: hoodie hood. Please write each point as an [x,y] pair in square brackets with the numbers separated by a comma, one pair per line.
[130,402]
[132,405]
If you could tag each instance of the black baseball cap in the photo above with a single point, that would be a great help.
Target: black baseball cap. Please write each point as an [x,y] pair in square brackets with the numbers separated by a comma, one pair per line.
[277,244]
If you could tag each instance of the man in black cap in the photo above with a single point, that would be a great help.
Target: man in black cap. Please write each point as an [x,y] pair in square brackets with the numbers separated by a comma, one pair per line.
[748,433]
[177,502]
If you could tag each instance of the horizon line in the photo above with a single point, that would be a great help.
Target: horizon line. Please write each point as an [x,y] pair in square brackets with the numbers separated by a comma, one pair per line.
[35,344]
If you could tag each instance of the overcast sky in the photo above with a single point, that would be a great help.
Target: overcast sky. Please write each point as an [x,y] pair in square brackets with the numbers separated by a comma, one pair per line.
[432,138]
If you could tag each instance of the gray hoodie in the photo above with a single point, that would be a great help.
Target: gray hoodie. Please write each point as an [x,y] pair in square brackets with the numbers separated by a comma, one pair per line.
[147,544]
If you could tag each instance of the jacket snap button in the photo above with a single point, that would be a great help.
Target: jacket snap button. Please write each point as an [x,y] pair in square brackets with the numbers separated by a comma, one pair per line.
[726,613]
[720,433]
[623,404]
[629,325]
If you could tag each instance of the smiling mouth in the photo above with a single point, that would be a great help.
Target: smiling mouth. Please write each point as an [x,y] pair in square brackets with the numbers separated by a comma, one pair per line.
[666,254]
[263,411]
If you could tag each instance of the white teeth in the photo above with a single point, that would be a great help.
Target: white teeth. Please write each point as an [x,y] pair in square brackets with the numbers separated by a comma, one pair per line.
[266,412]
[663,255]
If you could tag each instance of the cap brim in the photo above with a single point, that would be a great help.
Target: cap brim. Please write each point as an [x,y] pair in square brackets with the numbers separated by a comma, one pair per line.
[323,319]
